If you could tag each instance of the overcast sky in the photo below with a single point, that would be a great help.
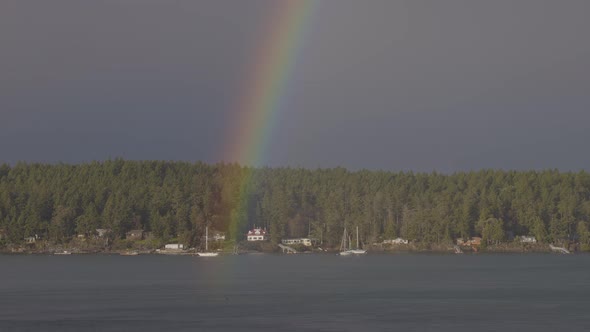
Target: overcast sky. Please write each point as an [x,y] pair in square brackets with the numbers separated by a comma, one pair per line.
[396,85]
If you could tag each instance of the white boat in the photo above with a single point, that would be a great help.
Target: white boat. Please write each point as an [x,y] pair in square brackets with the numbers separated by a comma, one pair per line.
[347,250]
[207,253]
[357,251]
[65,252]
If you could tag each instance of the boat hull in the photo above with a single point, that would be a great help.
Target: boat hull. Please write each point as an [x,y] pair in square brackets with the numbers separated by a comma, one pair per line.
[207,254]
[353,252]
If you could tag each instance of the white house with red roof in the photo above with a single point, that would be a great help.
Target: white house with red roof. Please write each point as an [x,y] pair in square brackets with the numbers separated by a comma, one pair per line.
[258,234]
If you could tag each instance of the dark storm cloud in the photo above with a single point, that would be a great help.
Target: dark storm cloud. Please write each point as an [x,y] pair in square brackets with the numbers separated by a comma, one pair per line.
[413,85]
[139,79]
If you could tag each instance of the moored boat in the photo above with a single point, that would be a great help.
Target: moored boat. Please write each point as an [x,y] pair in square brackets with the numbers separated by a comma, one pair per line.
[343,247]
[207,253]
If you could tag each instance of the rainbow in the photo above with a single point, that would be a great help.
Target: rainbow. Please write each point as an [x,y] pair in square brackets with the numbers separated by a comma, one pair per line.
[265,87]
[267,80]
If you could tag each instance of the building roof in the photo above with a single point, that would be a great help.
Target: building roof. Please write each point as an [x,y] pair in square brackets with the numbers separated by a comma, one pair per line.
[257,231]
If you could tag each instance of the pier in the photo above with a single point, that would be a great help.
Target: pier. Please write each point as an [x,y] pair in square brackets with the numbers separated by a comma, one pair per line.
[287,249]
[559,249]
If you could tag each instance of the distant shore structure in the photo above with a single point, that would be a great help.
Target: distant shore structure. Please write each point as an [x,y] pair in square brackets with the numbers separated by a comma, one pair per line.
[174,246]
[258,234]
[308,242]
[559,249]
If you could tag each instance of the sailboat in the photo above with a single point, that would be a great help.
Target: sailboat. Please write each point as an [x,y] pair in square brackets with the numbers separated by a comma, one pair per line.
[344,251]
[344,248]
[207,253]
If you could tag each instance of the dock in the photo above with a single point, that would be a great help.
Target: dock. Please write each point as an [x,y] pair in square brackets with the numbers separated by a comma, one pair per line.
[559,249]
[287,249]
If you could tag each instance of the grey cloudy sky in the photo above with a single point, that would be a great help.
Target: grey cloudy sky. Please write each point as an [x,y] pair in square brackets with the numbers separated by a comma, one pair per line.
[397,85]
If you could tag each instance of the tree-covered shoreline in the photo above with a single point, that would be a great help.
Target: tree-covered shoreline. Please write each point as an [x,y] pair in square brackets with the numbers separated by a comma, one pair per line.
[175,200]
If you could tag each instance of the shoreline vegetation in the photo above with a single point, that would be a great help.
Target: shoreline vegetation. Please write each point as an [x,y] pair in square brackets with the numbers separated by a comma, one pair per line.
[133,207]
[442,249]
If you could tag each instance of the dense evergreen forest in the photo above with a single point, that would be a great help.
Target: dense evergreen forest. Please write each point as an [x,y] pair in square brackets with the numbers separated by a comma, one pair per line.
[175,200]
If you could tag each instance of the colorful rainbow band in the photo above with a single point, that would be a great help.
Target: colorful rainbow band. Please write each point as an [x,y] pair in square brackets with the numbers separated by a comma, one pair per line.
[264,89]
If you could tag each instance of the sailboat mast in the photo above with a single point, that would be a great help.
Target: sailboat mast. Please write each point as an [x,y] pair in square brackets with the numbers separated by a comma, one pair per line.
[357,237]
[207,238]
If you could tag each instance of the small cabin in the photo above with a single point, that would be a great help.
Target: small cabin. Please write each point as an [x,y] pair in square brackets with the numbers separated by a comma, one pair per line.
[308,242]
[174,246]
[528,239]
[31,239]
[217,236]
[474,241]
[399,240]
[214,236]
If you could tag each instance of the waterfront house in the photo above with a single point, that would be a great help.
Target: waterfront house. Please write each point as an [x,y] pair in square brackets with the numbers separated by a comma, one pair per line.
[136,234]
[218,236]
[528,239]
[214,236]
[474,241]
[308,242]
[174,246]
[102,232]
[399,240]
[31,239]
[258,234]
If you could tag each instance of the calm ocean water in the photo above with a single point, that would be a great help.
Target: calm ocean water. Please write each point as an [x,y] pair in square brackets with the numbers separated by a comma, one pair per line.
[295,293]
